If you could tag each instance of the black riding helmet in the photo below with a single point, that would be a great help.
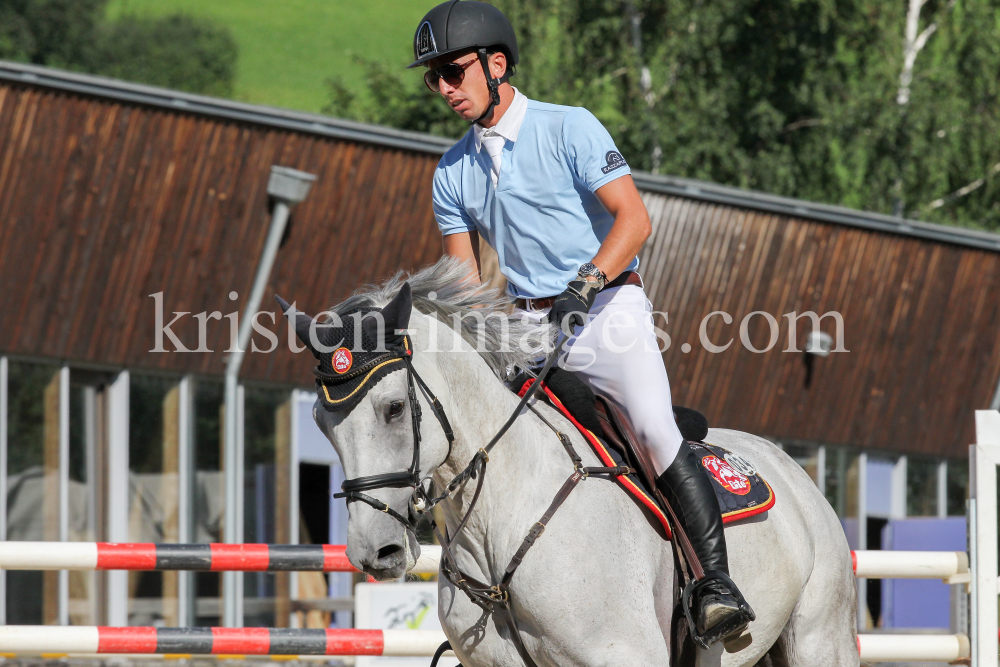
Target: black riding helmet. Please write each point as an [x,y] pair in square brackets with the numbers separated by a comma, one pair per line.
[459,25]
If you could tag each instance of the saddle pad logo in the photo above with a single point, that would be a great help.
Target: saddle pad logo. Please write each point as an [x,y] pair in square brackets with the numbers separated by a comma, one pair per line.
[342,360]
[726,475]
[425,43]
[614,160]
[740,464]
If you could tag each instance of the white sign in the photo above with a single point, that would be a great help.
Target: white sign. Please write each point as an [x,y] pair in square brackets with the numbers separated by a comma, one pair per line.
[397,606]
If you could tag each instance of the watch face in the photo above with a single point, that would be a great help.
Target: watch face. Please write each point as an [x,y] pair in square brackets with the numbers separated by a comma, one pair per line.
[590,269]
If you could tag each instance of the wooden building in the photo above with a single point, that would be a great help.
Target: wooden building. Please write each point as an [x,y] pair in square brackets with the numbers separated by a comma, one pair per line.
[111,193]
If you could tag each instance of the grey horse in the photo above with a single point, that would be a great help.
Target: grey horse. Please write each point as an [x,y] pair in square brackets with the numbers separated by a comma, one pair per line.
[597,588]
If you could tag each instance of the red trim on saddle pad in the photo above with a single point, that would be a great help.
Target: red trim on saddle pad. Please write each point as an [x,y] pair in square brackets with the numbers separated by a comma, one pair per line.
[737,515]
[630,487]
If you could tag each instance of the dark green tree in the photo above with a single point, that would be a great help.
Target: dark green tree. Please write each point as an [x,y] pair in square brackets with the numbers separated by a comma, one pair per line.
[891,107]
[796,97]
[174,51]
[396,97]
[178,52]
[59,33]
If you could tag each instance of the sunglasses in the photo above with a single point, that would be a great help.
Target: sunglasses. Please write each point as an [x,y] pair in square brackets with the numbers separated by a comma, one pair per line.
[452,73]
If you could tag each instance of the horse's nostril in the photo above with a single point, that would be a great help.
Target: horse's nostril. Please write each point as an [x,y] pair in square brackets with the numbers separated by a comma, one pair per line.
[389,551]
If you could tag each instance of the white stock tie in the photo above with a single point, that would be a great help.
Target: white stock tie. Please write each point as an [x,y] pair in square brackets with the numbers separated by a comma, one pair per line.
[494,144]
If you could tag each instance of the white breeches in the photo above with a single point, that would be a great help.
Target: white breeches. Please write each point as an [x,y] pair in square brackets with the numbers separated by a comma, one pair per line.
[618,354]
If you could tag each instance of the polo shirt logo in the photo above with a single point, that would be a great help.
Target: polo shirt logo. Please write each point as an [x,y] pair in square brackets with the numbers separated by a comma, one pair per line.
[614,160]
[425,44]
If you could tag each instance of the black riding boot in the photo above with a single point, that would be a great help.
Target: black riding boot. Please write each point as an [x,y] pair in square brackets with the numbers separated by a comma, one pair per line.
[718,604]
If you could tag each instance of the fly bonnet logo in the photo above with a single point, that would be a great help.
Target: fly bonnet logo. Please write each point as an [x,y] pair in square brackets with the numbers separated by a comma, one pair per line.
[614,161]
[342,360]
[425,40]
[730,479]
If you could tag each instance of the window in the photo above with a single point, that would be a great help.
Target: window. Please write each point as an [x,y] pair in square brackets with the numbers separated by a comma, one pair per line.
[208,493]
[921,487]
[267,434]
[154,406]
[32,485]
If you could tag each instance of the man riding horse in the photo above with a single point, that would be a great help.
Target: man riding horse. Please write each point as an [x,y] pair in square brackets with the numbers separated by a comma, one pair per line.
[551,193]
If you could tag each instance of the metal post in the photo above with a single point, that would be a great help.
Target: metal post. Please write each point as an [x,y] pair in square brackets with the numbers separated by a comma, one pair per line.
[92,492]
[287,187]
[185,475]
[897,503]
[293,492]
[3,482]
[862,536]
[118,493]
[63,611]
[984,457]
[942,489]
[236,578]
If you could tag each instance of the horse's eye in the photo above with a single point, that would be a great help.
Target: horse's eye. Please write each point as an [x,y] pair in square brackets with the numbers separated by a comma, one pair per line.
[395,409]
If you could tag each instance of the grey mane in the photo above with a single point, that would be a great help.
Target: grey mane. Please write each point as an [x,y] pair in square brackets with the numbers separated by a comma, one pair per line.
[481,314]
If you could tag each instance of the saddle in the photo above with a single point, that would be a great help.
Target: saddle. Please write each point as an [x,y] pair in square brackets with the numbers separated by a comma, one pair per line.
[741,491]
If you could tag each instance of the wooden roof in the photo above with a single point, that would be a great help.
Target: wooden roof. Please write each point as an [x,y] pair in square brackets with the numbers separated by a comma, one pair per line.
[921,324]
[111,192]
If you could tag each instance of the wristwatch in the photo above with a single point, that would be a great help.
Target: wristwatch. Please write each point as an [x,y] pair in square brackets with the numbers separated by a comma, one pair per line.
[590,270]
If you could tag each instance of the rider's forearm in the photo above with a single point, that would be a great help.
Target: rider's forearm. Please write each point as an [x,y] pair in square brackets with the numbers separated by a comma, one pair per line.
[465,246]
[630,230]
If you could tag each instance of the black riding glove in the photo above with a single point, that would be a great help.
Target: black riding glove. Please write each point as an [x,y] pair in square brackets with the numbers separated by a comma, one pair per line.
[571,307]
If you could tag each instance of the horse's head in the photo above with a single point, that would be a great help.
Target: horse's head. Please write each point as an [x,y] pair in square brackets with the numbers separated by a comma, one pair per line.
[365,406]
[386,349]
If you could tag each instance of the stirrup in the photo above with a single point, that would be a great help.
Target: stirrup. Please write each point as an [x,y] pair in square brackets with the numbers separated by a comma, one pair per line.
[734,624]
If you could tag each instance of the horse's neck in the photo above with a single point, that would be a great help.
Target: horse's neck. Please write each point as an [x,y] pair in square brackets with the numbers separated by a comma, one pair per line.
[524,459]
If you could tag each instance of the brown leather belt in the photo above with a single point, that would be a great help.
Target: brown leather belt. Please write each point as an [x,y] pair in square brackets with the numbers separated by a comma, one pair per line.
[624,278]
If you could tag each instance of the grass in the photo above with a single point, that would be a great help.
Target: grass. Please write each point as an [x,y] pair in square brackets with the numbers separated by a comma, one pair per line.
[289,48]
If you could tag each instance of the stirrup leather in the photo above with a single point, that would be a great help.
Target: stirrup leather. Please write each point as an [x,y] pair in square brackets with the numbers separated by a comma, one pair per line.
[732,625]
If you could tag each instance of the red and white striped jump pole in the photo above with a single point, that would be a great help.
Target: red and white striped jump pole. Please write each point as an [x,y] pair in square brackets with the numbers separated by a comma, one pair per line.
[951,566]
[215,641]
[193,557]
[34,639]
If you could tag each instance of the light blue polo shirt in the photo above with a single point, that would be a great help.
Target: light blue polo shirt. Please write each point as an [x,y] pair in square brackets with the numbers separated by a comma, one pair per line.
[542,217]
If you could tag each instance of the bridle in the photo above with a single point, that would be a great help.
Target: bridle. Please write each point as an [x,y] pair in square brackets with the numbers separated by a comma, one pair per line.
[353,489]
[492,599]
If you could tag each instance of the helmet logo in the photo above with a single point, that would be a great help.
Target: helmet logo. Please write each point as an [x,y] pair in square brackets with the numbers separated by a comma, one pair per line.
[424,43]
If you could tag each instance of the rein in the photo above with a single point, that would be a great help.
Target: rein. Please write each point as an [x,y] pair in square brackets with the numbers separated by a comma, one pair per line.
[492,599]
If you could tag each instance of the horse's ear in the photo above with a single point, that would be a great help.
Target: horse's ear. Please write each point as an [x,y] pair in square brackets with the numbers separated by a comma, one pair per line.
[396,313]
[300,321]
